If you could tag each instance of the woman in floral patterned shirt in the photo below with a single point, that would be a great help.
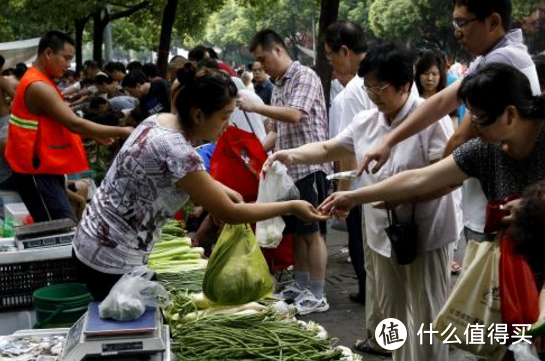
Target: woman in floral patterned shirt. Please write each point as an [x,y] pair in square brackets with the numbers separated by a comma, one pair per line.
[155,174]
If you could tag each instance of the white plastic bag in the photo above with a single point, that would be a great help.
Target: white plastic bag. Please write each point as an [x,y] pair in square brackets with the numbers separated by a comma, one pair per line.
[275,186]
[129,297]
[524,352]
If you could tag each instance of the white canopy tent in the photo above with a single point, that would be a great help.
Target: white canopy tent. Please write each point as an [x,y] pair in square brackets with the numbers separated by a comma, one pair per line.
[21,51]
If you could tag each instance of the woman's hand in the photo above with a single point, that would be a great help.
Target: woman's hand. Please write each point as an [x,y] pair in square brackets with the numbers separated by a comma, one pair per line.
[283,156]
[306,211]
[379,154]
[196,212]
[233,195]
[338,204]
[513,207]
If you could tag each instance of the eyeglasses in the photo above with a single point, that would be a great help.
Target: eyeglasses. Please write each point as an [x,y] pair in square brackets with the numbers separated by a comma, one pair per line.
[459,24]
[375,90]
[482,120]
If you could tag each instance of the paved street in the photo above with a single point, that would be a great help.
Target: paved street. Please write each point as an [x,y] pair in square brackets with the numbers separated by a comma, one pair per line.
[345,319]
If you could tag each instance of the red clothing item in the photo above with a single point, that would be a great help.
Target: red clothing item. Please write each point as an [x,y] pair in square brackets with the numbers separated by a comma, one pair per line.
[227,68]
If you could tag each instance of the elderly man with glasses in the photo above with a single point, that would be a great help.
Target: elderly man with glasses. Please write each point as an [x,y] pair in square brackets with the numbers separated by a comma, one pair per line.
[263,86]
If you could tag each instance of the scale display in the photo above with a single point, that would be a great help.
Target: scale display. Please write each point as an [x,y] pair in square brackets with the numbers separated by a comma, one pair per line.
[92,338]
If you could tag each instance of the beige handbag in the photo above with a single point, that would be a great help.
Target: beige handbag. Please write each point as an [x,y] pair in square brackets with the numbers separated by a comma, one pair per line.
[474,299]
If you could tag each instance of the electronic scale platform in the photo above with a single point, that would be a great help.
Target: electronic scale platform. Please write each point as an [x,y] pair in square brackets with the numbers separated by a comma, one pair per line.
[92,338]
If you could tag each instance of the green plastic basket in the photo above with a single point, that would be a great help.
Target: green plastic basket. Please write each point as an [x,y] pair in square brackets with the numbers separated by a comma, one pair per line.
[60,305]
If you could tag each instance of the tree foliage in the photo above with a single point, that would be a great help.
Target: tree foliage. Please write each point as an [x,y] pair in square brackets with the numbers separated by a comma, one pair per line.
[238,20]
[233,25]
[525,7]
[356,11]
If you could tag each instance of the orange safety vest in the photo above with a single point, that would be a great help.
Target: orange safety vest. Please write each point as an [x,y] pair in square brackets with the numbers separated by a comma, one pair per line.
[38,144]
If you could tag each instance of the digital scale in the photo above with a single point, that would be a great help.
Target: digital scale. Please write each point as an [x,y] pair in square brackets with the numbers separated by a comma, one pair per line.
[45,234]
[92,338]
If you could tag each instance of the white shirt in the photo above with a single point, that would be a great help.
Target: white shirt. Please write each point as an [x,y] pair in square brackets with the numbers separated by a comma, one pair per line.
[355,101]
[335,114]
[438,219]
[335,89]
[257,121]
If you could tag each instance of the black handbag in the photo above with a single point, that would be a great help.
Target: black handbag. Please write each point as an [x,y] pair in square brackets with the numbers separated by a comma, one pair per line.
[403,237]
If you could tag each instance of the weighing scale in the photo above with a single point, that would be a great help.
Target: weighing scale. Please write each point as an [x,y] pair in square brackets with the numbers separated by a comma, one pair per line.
[92,338]
[45,234]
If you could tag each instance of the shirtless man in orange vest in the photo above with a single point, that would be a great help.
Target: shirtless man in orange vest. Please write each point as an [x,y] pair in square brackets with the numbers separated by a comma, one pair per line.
[44,140]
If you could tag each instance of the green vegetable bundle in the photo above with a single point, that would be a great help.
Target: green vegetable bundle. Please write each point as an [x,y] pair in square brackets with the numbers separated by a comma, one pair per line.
[256,336]
[190,280]
[173,227]
[237,272]
[173,254]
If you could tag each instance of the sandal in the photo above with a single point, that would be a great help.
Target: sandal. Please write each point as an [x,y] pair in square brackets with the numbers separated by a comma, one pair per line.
[455,268]
[364,346]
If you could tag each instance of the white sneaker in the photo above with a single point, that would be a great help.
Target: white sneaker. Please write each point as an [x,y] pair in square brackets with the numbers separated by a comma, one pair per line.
[308,303]
[290,292]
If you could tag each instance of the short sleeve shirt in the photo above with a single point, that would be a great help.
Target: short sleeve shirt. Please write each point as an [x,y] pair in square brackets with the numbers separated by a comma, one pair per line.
[438,219]
[512,51]
[139,193]
[335,114]
[355,101]
[300,88]
[500,175]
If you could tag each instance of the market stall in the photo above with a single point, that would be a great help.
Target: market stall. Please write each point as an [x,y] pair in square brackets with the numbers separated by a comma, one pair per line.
[227,323]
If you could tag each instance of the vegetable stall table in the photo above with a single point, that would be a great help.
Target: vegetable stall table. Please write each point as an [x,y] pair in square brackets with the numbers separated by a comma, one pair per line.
[92,338]
[21,273]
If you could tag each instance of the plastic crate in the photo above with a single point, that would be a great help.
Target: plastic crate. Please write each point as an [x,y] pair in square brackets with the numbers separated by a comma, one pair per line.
[19,280]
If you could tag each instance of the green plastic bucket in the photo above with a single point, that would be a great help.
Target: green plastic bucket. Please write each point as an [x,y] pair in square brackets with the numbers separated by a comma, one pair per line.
[60,305]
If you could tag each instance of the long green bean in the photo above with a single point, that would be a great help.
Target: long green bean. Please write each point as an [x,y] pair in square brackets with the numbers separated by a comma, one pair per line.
[249,337]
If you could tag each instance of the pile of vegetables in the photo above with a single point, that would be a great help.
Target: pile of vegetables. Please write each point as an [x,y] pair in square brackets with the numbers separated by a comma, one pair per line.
[174,228]
[189,280]
[224,321]
[173,252]
[250,335]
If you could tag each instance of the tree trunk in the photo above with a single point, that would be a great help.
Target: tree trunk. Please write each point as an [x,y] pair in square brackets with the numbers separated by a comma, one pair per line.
[98,30]
[100,22]
[329,11]
[169,16]
[79,25]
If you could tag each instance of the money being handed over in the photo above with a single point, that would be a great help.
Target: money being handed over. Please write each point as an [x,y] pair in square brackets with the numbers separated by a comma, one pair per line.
[348,175]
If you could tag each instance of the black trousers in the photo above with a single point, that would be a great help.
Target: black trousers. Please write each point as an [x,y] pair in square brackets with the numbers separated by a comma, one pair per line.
[98,283]
[44,196]
[355,245]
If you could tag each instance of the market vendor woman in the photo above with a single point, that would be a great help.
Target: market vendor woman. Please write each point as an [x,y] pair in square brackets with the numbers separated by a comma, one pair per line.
[155,174]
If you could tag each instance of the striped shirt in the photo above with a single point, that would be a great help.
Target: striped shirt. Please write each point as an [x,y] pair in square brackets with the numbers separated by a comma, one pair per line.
[300,88]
